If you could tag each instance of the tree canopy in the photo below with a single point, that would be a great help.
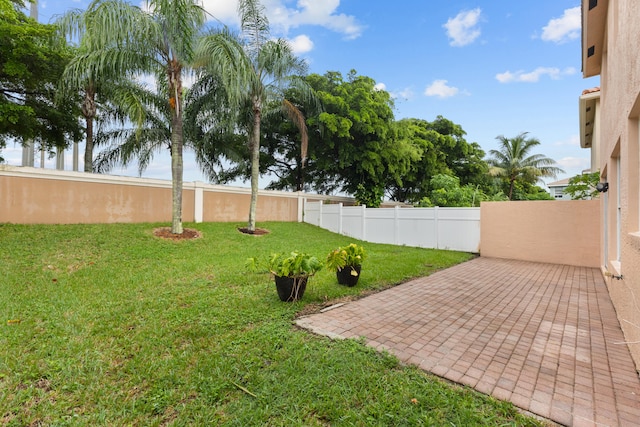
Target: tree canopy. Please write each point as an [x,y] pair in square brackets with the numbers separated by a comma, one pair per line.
[442,149]
[32,59]
[357,147]
[583,186]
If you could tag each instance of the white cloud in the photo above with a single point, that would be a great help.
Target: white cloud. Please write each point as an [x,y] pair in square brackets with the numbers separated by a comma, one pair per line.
[534,76]
[225,11]
[405,94]
[301,44]
[572,141]
[380,86]
[322,13]
[440,89]
[282,18]
[565,28]
[463,30]
[579,163]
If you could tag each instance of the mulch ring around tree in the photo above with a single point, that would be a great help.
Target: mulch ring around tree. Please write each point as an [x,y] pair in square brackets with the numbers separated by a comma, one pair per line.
[256,232]
[187,234]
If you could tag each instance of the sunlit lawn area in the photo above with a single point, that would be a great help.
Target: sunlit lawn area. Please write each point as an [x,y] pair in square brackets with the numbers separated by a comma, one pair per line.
[109,325]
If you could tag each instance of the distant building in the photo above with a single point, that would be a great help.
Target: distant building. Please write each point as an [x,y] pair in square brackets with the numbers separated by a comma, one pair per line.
[557,189]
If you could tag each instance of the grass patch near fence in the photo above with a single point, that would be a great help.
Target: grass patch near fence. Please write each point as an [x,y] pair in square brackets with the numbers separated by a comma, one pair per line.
[109,325]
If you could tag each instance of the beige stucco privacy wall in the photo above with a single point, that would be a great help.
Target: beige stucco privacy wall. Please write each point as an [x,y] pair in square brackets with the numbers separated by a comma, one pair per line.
[44,196]
[232,204]
[611,30]
[565,232]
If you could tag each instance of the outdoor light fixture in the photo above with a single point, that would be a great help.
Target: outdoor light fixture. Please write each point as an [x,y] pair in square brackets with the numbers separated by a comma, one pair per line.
[602,187]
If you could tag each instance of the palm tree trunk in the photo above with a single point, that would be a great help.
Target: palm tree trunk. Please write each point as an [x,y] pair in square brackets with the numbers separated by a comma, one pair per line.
[254,146]
[511,188]
[89,113]
[88,149]
[175,89]
[176,173]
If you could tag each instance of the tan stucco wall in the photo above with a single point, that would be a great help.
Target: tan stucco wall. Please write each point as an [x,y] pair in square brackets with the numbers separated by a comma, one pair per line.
[620,110]
[231,207]
[51,201]
[560,232]
[44,196]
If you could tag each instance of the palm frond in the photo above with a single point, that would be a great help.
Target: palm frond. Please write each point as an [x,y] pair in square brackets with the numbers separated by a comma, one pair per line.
[179,22]
[513,162]
[254,25]
[221,54]
[296,116]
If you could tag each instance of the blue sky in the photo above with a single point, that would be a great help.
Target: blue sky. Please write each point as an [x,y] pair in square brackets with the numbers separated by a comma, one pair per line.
[495,67]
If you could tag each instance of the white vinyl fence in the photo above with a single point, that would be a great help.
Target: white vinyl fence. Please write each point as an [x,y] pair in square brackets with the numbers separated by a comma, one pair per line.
[438,228]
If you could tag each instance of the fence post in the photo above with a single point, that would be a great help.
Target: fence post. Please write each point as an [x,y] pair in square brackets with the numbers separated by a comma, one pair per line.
[340,218]
[364,222]
[198,200]
[436,226]
[396,225]
[301,206]
[320,213]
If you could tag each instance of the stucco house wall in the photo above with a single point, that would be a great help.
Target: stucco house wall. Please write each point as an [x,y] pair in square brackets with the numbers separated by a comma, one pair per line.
[611,31]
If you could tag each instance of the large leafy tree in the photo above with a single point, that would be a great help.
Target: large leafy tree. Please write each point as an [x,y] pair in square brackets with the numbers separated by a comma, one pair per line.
[513,162]
[159,41]
[414,184]
[442,150]
[464,159]
[32,58]
[262,69]
[415,150]
[351,146]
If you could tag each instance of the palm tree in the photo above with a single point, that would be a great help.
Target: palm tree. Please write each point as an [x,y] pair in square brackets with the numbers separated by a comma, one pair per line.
[213,125]
[259,71]
[125,40]
[77,24]
[513,162]
[149,133]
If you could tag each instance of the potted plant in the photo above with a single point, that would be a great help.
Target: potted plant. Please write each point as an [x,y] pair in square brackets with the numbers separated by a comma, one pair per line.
[347,263]
[290,271]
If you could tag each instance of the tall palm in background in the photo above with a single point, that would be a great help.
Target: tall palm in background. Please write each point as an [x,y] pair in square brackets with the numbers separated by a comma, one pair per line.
[213,121]
[159,41]
[95,89]
[259,71]
[513,162]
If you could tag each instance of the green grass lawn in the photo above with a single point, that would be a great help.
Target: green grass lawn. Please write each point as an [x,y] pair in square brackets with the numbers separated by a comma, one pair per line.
[108,325]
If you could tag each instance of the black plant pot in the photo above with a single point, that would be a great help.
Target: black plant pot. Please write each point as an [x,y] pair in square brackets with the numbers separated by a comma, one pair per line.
[291,288]
[346,277]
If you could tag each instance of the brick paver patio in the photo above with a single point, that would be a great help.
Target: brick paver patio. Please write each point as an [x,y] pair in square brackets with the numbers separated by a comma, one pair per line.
[542,336]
